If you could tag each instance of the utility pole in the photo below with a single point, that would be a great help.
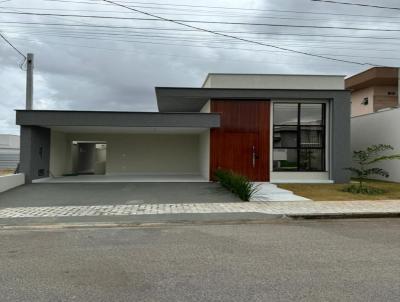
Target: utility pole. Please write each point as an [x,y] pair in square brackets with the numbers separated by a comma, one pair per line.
[29,81]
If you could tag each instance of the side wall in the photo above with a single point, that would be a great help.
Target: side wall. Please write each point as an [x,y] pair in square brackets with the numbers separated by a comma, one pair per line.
[35,152]
[340,138]
[204,154]
[378,128]
[58,153]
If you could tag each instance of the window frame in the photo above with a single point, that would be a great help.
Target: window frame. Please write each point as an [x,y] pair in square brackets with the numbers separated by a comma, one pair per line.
[299,127]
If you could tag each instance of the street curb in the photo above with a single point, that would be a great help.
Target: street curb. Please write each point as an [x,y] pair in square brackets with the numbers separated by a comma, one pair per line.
[61,226]
[342,216]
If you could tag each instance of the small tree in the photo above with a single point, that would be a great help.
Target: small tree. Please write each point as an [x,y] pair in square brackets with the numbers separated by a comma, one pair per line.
[365,158]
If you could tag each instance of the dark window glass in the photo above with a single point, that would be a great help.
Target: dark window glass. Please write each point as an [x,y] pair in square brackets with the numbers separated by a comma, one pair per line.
[311,114]
[286,114]
[312,159]
[312,136]
[299,137]
[285,136]
[285,160]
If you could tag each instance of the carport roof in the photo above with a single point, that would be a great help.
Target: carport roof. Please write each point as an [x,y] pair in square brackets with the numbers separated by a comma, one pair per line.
[51,118]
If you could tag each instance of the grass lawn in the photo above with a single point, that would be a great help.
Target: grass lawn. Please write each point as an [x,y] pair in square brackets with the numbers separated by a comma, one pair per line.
[6,171]
[333,192]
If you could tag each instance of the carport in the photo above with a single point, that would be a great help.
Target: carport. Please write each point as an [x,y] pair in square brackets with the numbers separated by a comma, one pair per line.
[89,146]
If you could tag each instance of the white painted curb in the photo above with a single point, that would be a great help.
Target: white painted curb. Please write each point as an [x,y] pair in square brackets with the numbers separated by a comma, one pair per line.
[8,182]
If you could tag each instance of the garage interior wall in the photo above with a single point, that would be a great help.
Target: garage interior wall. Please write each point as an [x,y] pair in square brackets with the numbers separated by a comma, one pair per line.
[133,153]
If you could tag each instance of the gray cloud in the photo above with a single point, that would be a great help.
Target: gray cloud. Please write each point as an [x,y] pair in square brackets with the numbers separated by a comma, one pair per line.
[119,73]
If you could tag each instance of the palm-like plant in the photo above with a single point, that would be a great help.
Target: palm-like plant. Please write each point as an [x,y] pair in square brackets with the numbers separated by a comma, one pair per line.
[370,156]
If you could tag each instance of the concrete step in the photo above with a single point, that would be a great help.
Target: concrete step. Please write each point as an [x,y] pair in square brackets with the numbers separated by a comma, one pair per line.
[271,192]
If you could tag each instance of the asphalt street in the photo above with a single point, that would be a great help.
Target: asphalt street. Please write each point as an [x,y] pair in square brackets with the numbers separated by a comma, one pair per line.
[324,260]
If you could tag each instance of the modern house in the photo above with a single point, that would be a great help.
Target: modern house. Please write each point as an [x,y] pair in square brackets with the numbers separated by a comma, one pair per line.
[270,128]
[373,90]
[9,151]
[376,112]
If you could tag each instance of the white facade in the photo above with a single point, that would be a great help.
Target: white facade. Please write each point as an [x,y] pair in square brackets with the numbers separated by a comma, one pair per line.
[378,128]
[278,81]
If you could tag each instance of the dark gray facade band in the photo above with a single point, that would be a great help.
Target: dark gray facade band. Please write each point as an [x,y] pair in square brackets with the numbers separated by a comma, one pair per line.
[116,119]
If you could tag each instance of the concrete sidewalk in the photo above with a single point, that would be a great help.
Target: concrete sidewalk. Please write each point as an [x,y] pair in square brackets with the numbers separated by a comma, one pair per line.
[300,208]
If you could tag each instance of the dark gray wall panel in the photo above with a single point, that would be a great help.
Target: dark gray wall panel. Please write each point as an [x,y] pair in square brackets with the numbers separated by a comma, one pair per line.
[35,152]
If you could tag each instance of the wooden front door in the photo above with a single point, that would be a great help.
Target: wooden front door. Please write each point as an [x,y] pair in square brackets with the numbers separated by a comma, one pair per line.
[241,144]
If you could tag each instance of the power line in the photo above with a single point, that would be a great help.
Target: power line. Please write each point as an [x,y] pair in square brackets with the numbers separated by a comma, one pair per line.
[193,30]
[150,28]
[157,41]
[358,4]
[235,37]
[184,21]
[15,48]
[154,42]
[187,12]
[200,38]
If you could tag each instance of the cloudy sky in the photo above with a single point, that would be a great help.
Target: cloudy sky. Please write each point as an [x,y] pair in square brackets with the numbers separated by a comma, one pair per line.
[114,63]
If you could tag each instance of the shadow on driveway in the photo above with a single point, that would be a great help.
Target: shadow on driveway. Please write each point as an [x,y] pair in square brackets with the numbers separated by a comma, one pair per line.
[80,194]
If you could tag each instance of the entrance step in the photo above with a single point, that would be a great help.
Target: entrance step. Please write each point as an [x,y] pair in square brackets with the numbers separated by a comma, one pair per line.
[271,192]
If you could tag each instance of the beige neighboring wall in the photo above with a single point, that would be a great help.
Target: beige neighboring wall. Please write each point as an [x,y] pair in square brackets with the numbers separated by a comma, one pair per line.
[385,97]
[379,97]
[357,97]
[270,81]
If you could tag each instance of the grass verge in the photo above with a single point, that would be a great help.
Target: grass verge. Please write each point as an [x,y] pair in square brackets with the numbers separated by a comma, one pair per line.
[337,192]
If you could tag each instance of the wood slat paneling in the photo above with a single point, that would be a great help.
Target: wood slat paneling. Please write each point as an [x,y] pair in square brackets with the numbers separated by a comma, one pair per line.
[244,124]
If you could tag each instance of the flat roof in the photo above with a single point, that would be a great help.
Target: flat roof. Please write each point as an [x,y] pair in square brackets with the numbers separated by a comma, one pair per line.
[178,99]
[269,75]
[49,118]
[385,76]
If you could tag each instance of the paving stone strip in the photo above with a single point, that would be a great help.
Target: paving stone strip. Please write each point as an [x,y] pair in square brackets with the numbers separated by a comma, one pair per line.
[275,208]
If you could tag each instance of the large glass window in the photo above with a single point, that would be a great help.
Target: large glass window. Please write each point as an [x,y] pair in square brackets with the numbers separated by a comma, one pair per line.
[299,137]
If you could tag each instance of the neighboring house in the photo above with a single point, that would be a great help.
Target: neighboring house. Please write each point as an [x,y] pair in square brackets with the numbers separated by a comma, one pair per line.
[375,112]
[278,128]
[373,90]
[9,151]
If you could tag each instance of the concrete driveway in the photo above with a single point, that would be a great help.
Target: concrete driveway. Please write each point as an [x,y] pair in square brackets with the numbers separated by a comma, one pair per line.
[78,194]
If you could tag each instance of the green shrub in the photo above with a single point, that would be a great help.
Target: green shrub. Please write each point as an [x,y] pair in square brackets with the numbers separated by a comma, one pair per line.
[236,183]
[368,190]
[363,160]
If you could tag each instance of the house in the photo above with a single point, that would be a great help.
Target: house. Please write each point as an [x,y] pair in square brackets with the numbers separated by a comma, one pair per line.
[373,90]
[376,113]
[9,151]
[277,128]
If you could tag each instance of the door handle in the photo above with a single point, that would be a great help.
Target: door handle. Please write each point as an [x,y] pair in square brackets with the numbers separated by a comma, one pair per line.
[254,156]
